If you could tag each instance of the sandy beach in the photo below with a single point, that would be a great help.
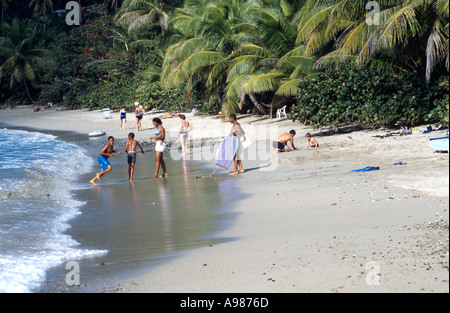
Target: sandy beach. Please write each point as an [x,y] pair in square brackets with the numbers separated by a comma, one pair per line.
[305,222]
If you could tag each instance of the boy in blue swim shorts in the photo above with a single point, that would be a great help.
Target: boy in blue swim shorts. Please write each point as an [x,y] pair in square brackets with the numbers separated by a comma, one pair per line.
[105,154]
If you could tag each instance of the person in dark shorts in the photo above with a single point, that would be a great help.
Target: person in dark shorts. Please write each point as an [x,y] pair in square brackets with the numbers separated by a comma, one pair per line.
[130,149]
[281,144]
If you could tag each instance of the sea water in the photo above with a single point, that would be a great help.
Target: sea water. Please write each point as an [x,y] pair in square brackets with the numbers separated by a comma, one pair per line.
[38,174]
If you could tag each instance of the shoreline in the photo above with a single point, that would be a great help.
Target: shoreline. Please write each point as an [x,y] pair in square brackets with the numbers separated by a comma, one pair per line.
[311,225]
[93,279]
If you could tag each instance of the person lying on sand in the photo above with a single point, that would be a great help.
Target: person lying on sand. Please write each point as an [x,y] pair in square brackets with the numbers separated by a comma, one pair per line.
[105,154]
[312,144]
[169,115]
[281,144]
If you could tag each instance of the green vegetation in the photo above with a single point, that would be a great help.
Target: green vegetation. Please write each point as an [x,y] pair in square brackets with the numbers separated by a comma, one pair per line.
[321,58]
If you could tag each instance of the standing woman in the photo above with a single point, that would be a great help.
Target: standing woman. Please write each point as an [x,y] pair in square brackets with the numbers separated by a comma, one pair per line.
[123,118]
[237,131]
[139,115]
[186,127]
[160,136]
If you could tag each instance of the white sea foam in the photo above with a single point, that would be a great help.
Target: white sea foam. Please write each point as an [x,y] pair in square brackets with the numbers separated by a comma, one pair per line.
[36,205]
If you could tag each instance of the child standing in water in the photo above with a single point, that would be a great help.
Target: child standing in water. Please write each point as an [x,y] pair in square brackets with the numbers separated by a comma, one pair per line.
[186,127]
[160,136]
[130,149]
[105,154]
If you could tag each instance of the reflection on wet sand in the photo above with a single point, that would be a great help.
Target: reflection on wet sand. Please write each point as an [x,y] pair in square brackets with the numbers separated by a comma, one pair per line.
[165,206]
[150,218]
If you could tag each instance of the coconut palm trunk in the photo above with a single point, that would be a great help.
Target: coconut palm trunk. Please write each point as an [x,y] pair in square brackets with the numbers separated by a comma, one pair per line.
[258,105]
[3,20]
[27,90]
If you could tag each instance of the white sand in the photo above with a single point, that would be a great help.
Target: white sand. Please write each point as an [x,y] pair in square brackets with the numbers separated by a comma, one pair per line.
[311,225]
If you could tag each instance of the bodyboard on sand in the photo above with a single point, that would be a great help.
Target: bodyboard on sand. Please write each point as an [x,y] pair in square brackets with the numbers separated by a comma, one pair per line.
[227,151]
[367,169]
[440,144]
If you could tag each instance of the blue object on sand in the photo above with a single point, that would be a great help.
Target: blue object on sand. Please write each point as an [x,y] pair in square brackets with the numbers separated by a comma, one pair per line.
[367,169]
[400,163]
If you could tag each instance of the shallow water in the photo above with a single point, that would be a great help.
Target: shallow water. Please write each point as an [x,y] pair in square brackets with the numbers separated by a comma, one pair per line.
[143,223]
[36,176]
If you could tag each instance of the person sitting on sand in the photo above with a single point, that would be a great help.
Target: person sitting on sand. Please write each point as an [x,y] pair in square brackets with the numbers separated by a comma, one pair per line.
[130,149]
[312,144]
[48,106]
[38,108]
[281,144]
[105,154]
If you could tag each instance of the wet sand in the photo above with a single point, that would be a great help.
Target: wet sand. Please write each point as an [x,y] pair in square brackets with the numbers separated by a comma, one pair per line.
[303,222]
[143,223]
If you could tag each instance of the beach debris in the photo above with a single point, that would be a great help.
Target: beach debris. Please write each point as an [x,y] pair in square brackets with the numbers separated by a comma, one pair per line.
[400,163]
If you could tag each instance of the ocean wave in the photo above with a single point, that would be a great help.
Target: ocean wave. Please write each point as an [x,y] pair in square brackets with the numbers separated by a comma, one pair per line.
[36,206]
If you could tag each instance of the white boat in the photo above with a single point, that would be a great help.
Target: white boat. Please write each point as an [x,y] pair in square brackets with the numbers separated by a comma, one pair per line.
[439,143]
[97,133]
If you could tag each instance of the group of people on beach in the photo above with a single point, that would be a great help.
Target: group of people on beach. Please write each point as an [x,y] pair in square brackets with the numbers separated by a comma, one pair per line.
[281,146]
[139,112]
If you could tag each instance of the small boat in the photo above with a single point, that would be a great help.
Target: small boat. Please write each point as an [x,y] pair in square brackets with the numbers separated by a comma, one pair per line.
[97,133]
[438,137]
[439,143]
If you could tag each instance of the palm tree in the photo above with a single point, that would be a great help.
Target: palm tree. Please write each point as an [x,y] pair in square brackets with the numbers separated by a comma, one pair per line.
[20,54]
[41,6]
[207,37]
[137,14]
[236,49]
[4,5]
[411,35]
[274,64]
[115,4]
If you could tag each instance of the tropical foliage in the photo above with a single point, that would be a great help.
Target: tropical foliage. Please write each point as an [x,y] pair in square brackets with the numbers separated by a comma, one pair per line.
[234,56]
[371,97]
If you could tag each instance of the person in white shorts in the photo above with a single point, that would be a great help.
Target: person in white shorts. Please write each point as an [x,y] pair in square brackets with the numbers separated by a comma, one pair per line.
[160,136]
